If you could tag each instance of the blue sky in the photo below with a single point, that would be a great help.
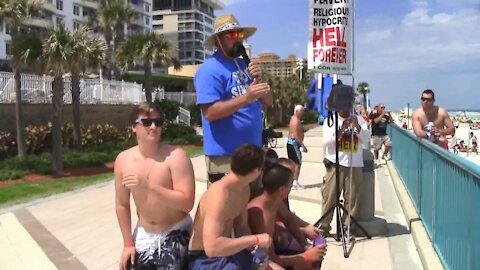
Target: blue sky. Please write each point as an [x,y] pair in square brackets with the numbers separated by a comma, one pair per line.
[401,46]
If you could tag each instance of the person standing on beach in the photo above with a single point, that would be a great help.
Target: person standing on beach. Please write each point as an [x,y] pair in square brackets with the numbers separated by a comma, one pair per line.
[432,122]
[230,96]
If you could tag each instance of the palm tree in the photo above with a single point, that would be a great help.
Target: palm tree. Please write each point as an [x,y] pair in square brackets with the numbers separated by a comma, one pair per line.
[15,13]
[88,52]
[147,48]
[363,90]
[111,17]
[57,51]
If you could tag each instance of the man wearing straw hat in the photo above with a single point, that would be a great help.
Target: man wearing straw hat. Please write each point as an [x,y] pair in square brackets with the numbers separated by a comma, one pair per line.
[230,96]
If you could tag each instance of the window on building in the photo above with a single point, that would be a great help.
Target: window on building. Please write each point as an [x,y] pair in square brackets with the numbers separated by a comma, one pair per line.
[208,20]
[157,17]
[76,10]
[188,54]
[158,27]
[76,25]
[162,4]
[8,48]
[7,29]
[59,4]
[182,4]
[147,20]
[59,21]
[147,7]
[85,13]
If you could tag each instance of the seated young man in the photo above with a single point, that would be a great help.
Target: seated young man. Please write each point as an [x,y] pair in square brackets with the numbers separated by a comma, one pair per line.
[286,229]
[262,213]
[222,209]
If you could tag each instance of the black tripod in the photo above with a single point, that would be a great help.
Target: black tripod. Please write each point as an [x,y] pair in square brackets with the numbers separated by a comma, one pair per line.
[340,236]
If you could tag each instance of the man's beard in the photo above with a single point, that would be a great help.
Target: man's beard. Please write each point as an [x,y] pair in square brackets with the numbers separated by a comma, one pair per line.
[234,51]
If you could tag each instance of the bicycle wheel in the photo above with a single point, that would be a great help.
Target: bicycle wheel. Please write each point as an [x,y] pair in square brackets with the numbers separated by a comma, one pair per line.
[272,142]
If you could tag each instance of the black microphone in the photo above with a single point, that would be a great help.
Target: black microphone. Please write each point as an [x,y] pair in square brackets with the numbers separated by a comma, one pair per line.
[239,50]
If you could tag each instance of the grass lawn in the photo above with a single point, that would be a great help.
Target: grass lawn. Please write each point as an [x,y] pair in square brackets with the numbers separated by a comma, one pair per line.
[26,191]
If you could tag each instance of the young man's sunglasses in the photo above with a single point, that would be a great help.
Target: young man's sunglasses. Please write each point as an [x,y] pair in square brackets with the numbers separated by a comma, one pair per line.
[234,34]
[147,122]
[427,99]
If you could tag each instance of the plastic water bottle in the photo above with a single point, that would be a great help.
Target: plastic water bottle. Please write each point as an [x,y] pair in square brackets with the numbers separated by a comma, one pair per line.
[318,242]
[260,257]
[428,131]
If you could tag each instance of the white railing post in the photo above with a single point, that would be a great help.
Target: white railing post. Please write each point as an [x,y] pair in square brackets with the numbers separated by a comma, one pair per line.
[123,98]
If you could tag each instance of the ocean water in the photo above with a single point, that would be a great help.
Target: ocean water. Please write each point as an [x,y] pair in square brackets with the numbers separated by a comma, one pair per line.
[467,113]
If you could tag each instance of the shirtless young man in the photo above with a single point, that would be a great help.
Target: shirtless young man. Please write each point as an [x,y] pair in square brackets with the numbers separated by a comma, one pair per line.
[222,209]
[160,179]
[295,142]
[432,122]
[290,249]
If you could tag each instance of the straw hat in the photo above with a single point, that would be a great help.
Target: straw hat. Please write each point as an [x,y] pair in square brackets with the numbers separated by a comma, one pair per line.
[224,23]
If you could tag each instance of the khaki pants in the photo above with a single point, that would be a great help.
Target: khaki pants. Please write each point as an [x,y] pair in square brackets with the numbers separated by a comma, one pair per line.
[329,193]
[219,166]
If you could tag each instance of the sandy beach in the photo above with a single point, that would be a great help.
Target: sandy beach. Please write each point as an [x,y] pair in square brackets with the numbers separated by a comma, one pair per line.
[462,133]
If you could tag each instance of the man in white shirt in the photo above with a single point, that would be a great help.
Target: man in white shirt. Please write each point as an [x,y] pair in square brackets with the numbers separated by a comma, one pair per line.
[349,155]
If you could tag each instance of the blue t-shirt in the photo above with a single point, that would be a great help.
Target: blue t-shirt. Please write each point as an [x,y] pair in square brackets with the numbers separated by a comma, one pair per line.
[220,79]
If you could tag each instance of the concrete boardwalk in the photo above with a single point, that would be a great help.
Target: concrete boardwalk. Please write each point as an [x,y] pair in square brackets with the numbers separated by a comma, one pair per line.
[79,230]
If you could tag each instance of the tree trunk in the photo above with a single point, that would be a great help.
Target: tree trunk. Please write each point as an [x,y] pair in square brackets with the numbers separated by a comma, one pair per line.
[21,144]
[57,103]
[110,58]
[147,81]
[365,101]
[280,107]
[77,138]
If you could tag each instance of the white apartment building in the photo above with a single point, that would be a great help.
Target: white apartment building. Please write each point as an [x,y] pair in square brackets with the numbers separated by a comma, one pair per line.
[186,23]
[73,14]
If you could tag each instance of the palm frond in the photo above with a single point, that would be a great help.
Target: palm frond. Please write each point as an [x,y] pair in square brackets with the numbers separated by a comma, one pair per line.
[59,50]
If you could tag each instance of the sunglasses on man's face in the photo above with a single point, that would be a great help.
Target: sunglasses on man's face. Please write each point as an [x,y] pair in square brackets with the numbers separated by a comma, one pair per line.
[147,122]
[427,99]
[234,34]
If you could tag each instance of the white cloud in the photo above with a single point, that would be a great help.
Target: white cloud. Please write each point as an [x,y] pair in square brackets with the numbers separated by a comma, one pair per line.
[423,41]
[420,16]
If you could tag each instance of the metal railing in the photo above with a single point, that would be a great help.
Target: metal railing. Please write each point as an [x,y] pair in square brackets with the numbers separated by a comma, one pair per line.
[445,190]
[38,89]
[183,116]
[184,98]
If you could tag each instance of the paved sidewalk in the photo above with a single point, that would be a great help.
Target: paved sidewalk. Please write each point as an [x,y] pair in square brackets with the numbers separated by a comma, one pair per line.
[79,230]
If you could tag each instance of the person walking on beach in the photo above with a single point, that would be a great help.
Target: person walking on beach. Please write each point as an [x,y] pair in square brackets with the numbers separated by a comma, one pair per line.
[295,146]
[160,179]
[432,122]
[230,96]
[473,143]
[380,119]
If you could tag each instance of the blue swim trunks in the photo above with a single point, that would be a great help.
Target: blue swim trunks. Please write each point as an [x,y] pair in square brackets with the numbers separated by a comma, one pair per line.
[198,260]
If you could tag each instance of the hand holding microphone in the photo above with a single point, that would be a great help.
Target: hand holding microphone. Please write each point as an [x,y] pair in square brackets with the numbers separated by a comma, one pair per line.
[256,90]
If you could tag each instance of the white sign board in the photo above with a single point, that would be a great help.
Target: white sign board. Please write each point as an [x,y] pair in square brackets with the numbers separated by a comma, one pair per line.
[330,36]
